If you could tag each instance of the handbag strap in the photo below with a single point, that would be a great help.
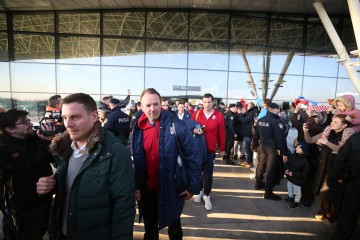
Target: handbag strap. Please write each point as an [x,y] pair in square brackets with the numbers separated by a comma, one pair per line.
[179,160]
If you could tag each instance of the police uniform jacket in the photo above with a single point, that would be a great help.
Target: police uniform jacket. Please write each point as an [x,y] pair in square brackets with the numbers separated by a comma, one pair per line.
[118,123]
[270,131]
[229,120]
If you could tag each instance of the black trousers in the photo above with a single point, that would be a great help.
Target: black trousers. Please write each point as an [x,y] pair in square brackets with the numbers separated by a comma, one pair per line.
[32,224]
[229,144]
[268,163]
[149,203]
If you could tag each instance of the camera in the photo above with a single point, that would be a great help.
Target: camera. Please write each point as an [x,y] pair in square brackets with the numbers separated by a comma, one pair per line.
[51,118]
[303,105]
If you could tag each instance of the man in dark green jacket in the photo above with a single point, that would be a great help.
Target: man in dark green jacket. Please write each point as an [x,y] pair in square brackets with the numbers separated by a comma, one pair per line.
[94,181]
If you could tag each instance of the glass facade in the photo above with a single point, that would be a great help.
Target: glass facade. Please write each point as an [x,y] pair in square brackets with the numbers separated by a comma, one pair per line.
[107,52]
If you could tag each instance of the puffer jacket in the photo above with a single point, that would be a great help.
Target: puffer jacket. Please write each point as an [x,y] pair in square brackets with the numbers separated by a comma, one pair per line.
[351,110]
[170,203]
[300,167]
[102,197]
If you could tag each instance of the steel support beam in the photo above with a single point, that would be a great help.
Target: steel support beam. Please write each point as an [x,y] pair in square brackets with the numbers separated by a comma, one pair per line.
[339,47]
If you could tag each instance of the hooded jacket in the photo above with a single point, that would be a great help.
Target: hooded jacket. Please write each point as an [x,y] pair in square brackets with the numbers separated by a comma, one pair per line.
[170,203]
[102,196]
[351,110]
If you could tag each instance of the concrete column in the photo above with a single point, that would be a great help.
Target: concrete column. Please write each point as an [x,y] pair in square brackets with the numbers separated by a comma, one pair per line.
[339,47]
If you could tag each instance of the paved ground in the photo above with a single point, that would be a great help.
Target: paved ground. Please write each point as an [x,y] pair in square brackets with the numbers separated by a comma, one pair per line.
[240,212]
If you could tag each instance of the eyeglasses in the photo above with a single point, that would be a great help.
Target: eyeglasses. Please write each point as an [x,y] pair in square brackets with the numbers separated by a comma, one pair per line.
[26,122]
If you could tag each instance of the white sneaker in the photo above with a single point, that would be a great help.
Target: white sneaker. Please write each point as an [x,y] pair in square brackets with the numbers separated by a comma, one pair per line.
[197,198]
[208,205]
[252,176]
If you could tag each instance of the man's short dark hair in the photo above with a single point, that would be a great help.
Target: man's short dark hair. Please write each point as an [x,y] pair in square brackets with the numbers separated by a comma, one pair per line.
[9,118]
[53,100]
[208,95]
[267,101]
[181,102]
[221,104]
[82,98]
[149,91]
[163,99]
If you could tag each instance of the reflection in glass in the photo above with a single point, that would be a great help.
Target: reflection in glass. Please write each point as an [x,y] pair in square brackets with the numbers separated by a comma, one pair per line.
[166,54]
[170,25]
[79,50]
[34,48]
[209,26]
[33,77]
[4,76]
[3,21]
[247,30]
[78,78]
[164,80]
[34,103]
[124,24]
[320,66]
[4,54]
[208,56]
[117,80]
[126,52]
[286,34]
[313,84]
[79,23]
[34,22]
[5,100]
[214,82]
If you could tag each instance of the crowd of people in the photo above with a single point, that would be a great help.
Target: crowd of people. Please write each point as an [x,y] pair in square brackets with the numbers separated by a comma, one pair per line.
[115,155]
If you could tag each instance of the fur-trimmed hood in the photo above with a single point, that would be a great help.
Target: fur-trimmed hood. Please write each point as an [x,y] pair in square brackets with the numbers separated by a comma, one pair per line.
[347,100]
[61,145]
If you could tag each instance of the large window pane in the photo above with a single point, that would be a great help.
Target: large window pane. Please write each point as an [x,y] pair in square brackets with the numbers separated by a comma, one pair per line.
[166,54]
[320,66]
[209,26]
[78,78]
[170,25]
[4,47]
[164,80]
[126,52]
[214,82]
[80,50]
[241,56]
[313,84]
[124,24]
[33,77]
[286,34]
[4,76]
[34,22]
[79,23]
[34,48]
[117,80]
[208,56]
[287,60]
[345,86]
[289,88]
[238,86]
[3,21]
[251,31]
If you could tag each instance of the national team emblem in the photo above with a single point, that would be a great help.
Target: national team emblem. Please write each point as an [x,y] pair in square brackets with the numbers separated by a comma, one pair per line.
[172,130]
[281,126]
[213,117]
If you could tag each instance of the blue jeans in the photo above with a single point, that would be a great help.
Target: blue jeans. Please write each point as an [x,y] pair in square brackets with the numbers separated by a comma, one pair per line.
[248,152]
[207,169]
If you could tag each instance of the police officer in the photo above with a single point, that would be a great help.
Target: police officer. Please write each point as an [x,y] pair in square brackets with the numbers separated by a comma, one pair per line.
[118,122]
[229,118]
[269,136]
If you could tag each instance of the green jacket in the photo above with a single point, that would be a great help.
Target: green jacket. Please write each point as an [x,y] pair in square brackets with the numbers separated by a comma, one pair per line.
[102,197]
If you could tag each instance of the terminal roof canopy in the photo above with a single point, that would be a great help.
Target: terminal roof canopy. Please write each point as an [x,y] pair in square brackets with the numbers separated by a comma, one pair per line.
[275,6]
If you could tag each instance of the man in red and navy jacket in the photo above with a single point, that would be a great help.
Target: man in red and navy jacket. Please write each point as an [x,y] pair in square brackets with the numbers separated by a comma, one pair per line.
[212,123]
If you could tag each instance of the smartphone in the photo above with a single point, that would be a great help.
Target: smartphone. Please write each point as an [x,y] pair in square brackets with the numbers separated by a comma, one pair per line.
[303,105]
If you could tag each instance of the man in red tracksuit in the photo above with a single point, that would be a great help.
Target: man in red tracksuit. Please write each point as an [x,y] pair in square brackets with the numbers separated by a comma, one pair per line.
[212,123]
